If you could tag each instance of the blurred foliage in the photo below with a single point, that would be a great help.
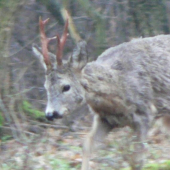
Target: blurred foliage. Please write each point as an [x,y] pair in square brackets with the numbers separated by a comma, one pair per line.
[1,119]
[146,15]
[6,138]
[161,166]
[155,166]
[99,22]
[54,7]
[7,14]
[36,114]
[59,164]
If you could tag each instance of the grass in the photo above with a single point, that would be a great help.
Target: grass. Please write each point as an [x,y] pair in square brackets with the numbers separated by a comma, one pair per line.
[36,114]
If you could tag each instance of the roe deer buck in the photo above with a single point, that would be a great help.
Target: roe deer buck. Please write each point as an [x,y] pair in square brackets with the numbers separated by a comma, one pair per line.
[128,85]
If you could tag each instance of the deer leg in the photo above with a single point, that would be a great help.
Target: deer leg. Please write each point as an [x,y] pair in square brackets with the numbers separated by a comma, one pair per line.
[141,126]
[99,131]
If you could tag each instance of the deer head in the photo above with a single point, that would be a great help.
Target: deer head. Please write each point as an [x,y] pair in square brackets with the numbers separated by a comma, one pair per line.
[64,92]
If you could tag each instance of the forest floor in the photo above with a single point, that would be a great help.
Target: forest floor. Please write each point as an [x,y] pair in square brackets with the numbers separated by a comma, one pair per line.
[58,148]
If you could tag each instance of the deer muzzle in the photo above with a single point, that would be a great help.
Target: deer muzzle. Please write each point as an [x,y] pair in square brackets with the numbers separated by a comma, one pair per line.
[54,115]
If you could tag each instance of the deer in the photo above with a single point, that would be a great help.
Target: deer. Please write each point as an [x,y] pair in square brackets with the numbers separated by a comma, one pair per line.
[127,85]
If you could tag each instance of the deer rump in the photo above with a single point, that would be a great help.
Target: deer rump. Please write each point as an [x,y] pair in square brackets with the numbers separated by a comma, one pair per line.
[128,85]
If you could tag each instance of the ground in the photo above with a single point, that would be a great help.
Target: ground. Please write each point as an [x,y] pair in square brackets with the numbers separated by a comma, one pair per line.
[56,147]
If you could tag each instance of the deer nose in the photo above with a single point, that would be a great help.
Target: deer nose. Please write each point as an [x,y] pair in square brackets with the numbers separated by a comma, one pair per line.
[53,115]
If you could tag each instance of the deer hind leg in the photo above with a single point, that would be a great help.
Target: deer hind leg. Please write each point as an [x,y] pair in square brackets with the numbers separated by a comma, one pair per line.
[141,125]
[98,133]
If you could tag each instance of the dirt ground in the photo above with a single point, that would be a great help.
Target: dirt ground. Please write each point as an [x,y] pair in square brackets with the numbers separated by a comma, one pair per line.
[54,146]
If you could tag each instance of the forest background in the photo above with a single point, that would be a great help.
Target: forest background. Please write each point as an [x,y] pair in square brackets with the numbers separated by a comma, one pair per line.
[27,140]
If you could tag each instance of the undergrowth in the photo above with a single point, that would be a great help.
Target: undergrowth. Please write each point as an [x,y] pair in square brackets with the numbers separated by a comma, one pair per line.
[36,114]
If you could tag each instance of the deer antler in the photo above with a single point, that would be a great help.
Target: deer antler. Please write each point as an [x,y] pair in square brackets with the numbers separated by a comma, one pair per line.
[45,41]
[61,42]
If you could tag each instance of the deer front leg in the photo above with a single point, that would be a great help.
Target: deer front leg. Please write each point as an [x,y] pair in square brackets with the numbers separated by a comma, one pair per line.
[140,129]
[99,131]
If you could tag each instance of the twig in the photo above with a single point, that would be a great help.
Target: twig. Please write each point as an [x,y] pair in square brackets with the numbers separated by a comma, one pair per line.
[5,111]
[26,132]
[53,126]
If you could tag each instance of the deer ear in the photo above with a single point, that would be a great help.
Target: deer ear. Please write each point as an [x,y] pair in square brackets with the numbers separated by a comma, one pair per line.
[39,55]
[79,57]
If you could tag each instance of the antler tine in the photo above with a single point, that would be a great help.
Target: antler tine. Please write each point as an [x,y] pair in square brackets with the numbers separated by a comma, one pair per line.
[45,41]
[61,42]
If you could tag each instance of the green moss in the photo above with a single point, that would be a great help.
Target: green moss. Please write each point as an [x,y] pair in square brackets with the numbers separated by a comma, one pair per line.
[6,138]
[159,166]
[155,166]
[60,164]
[1,119]
[28,108]
[151,167]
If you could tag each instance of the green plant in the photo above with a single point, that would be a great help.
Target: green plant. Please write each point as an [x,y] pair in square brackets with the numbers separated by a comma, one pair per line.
[158,166]
[28,108]
[6,137]
[155,166]
[60,164]
[1,119]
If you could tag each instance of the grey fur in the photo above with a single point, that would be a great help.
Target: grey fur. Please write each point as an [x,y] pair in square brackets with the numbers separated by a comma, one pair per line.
[128,85]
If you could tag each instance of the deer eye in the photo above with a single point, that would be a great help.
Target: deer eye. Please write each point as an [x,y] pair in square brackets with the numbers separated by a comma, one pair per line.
[66,88]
